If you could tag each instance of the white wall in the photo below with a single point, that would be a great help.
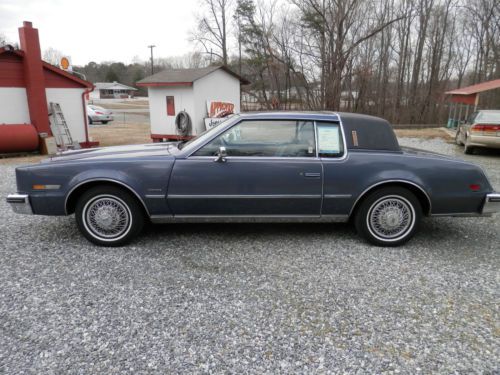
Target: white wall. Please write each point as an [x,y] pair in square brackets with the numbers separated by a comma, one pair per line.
[219,86]
[72,108]
[183,100]
[14,106]
[95,94]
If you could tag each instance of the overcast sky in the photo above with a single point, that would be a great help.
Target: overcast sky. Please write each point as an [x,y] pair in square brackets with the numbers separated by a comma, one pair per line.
[104,30]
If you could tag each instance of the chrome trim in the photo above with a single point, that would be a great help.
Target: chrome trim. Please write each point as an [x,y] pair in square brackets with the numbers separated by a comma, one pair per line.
[491,203]
[158,219]
[341,125]
[153,196]
[242,196]
[103,179]
[20,203]
[298,118]
[388,182]
[338,196]
[461,214]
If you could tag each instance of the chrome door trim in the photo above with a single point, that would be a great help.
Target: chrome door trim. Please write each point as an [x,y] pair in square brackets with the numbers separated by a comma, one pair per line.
[338,196]
[154,196]
[243,196]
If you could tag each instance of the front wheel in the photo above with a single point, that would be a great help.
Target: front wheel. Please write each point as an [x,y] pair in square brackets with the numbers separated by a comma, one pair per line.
[109,216]
[388,216]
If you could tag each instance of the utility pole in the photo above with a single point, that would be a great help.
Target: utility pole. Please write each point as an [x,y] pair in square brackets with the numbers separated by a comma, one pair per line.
[152,65]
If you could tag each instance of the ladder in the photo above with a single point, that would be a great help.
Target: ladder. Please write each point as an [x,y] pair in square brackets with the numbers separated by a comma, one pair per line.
[60,128]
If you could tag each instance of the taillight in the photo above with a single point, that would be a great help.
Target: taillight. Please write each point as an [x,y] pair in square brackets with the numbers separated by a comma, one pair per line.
[99,113]
[485,128]
[475,187]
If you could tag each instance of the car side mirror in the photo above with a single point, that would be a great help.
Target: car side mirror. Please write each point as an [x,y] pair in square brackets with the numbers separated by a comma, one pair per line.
[221,155]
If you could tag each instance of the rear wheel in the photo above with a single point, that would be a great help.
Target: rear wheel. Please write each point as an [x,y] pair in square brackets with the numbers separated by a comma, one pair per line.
[388,216]
[469,150]
[109,216]
[90,121]
[104,122]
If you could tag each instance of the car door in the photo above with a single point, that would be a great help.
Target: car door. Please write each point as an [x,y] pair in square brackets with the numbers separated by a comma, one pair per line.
[271,169]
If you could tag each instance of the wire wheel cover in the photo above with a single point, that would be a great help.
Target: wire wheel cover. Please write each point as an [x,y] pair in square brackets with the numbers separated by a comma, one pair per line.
[107,217]
[391,217]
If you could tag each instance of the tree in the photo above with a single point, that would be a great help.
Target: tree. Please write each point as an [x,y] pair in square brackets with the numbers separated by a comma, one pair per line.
[52,56]
[213,28]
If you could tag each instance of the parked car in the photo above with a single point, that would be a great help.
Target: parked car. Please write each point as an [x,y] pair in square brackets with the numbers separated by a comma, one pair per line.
[99,114]
[482,129]
[331,167]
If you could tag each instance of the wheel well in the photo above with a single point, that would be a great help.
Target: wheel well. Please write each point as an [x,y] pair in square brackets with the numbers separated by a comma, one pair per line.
[81,189]
[422,197]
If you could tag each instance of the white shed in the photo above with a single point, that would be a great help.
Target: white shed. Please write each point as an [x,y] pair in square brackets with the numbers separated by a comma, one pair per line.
[193,92]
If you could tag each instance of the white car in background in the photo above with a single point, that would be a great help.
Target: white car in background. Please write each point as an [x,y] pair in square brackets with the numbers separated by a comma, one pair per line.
[99,114]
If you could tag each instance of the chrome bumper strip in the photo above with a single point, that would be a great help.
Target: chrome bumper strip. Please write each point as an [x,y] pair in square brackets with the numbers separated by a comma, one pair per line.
[491,203]
[20,203]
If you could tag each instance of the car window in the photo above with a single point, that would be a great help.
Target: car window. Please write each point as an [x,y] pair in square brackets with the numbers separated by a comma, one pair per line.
[330,143]
[488,116]
[265,138]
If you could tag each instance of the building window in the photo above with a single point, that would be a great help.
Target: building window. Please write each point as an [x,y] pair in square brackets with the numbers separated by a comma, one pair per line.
[170,106]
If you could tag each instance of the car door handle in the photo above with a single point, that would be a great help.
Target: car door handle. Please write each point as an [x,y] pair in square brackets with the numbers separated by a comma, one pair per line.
[312,174]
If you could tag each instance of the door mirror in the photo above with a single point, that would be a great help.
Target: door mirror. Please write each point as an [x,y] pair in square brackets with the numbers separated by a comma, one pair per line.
[221,155]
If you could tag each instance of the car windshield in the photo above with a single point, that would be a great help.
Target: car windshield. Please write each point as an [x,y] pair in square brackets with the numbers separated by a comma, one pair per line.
[202,137]
[488,116]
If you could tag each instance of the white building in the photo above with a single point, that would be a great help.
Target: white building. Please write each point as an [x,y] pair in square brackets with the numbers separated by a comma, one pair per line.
[111,90]
[193,91]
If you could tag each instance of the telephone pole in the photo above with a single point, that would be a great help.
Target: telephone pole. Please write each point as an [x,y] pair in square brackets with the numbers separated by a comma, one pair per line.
[152,65]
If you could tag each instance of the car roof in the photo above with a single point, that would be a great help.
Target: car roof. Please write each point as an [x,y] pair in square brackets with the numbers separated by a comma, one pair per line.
[489,110]
[288,115]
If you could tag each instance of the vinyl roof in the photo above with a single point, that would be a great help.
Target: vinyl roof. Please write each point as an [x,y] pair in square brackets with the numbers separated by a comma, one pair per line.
[474,89]
[184,76]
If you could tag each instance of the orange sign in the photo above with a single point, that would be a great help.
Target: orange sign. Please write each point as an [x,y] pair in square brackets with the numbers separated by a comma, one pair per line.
[64,63]
[219,109]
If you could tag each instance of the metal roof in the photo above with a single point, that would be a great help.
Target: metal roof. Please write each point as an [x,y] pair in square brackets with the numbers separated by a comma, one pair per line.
[112,86]
[474,89]
[184,76]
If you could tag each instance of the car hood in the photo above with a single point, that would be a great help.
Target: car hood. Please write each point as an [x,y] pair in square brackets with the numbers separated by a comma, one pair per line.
[116,152]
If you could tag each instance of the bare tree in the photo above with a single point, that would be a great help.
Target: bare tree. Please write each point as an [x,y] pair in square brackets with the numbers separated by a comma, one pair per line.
[213,28]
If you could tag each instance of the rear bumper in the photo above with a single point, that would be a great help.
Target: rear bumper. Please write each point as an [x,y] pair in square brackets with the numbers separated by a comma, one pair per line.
[484,141]
[20,203]
[491,203]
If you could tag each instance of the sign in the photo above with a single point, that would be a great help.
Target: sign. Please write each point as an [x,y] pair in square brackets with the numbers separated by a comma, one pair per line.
[328,139]
[219,108]
[64,63]
[213,122]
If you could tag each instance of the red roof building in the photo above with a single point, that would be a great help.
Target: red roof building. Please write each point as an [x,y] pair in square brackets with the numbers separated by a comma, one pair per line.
[27,86]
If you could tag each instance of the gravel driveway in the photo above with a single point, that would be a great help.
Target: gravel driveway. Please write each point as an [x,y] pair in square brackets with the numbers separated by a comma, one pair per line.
[250,298]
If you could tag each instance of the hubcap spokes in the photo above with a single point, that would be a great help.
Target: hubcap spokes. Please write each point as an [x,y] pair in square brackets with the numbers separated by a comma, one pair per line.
[107,217]
[390,218]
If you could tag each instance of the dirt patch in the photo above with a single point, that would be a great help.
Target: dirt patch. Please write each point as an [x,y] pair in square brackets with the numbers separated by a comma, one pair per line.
[121,134]
[424,133]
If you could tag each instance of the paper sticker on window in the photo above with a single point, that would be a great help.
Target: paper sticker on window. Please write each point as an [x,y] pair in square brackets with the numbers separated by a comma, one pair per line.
[329,139]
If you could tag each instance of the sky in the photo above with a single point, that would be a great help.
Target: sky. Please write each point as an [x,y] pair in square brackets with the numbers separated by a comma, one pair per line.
[104,30]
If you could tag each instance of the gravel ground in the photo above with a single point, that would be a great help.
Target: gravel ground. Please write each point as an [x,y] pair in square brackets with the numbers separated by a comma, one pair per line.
[250,298]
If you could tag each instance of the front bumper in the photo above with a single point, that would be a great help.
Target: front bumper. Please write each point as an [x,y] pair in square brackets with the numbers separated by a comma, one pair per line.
[20,203]
[491,203]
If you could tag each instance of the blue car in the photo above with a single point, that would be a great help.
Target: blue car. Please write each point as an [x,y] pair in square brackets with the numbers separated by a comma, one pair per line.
[324,167]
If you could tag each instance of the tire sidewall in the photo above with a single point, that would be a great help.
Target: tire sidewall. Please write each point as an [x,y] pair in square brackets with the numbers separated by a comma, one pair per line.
[136,216]
[362,217]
